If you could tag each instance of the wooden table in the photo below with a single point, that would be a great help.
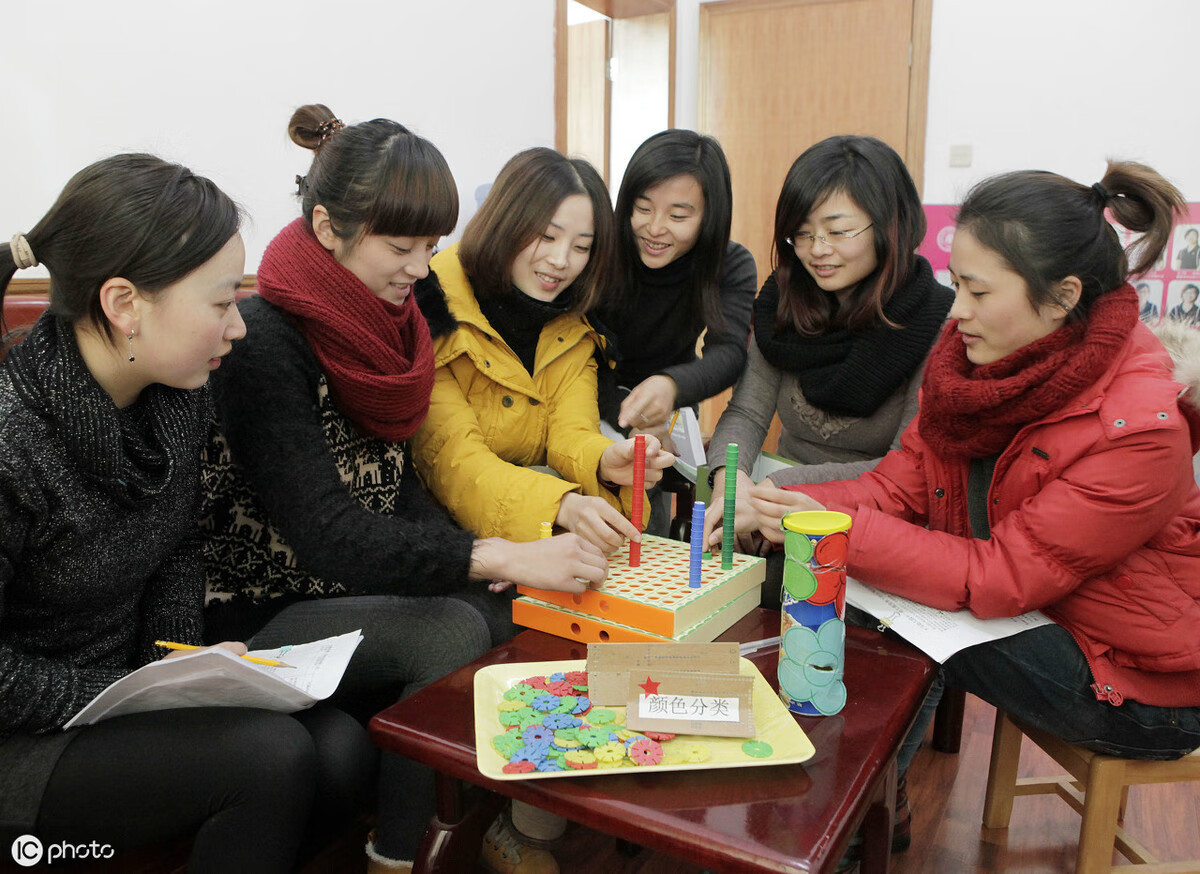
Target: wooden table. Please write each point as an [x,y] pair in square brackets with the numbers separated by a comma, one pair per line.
[781,818]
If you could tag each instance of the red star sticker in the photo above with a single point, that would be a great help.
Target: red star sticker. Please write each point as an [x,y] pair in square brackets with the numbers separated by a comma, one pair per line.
[650,687]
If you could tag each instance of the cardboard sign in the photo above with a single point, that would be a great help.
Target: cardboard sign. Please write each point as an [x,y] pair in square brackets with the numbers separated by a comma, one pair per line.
[690,703]
[610,665]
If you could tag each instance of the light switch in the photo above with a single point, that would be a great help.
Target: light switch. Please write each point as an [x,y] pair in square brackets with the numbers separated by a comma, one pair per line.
[960,156]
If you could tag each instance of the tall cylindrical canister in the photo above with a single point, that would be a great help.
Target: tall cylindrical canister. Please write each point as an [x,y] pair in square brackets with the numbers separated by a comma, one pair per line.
[813,619]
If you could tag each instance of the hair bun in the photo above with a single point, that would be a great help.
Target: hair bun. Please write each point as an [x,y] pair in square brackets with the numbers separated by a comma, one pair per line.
[311,125]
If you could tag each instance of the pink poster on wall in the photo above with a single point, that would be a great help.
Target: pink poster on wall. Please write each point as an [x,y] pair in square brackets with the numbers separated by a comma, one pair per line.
[1169,290]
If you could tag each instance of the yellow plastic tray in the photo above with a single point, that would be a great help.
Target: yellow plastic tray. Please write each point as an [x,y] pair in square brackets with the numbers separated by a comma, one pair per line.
[773,723]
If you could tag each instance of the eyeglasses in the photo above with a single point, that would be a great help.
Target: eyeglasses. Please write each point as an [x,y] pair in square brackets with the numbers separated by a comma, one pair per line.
[832,238]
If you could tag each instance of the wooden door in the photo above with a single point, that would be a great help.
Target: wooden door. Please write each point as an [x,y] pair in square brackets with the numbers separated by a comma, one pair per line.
[777,76]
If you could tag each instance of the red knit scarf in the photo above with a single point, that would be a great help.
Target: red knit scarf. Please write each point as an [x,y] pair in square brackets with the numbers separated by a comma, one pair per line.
[975,411]
[377,357]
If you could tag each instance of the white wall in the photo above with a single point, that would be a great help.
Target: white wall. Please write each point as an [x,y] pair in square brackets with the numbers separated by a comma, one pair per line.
[213,88]
[1057,84]
[1049,84]
[1062,85]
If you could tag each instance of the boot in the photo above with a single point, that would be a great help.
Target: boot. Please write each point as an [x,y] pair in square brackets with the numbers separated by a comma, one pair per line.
[377,864]
[506,851]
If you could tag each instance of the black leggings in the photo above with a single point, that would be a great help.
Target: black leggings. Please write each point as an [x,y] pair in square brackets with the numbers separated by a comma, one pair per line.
[259,789]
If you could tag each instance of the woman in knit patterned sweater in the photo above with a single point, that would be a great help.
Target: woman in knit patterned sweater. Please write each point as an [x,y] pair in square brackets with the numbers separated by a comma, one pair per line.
[318,522]
[103,410]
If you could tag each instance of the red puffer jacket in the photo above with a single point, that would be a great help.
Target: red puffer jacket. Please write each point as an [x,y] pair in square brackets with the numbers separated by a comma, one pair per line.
[1095,520]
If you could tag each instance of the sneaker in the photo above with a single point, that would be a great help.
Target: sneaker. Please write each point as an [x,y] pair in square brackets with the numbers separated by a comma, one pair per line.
[507,851]
[901,832]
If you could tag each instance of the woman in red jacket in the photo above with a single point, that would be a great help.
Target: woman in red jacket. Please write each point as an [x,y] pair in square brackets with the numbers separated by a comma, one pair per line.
[1049,468]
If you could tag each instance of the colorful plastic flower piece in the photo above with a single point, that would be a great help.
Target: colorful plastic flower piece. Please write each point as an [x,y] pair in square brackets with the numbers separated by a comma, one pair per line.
[566,704]
[580,760]
[565,744]
[509,705]
[694,753]
[578,679]
[538,683]
[566,734]
[811,667]
[516,717]
[536,733]
[610,754]
[545,702]
[582,705]
[557,677]
[625,735]
[659,736]
[759,749]
[555,721]
[646,752]
[529,754]
[560,687]
[592,736]
[506,744]
[519,768]
[549,765]
[602,716]
[521,692]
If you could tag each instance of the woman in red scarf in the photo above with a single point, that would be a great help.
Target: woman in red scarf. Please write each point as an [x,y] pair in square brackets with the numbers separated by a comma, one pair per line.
[318,523]
[1049,468]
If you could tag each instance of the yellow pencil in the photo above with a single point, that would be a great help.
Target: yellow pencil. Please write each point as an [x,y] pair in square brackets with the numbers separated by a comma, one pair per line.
[673,418]
[270,663]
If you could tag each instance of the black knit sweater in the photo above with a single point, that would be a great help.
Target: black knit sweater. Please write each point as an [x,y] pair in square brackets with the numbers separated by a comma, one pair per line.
[99,553]
[657,331]
[299,504]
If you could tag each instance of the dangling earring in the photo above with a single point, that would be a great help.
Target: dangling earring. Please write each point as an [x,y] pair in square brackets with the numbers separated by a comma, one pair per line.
[131,346]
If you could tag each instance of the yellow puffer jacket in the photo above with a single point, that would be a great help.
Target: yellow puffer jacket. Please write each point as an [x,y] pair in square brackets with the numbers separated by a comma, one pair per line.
[489,420]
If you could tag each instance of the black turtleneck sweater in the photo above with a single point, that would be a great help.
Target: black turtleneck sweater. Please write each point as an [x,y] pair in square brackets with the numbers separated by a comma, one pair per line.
[519,320]
[657,333]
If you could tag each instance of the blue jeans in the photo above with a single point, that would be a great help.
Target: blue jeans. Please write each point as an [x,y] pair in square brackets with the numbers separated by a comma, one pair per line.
[407,644]
[1040,677]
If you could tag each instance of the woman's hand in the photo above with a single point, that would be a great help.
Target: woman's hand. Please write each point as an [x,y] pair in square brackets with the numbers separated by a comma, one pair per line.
[650,404]
[234,646]
[616,464]
[595,521]
[744,518]
[771,503]
[566,563]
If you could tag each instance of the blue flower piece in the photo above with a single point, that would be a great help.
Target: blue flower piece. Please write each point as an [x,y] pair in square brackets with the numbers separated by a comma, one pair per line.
[545,702]
[556,721]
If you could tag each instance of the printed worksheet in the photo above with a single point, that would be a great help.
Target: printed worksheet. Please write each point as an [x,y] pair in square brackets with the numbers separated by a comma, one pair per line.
[937,633]
[218,678]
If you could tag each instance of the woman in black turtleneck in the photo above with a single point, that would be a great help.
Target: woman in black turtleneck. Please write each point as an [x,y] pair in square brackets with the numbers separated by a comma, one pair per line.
[679,274]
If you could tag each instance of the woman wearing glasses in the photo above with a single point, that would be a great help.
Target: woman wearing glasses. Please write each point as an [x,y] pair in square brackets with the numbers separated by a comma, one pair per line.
[843,325]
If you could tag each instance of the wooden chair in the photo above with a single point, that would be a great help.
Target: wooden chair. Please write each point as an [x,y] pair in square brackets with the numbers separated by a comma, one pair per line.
[1098,788]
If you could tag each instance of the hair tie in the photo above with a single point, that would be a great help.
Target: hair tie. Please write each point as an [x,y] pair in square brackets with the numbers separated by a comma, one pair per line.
[1102,193]
[300,180]
[22,255]
[326,129]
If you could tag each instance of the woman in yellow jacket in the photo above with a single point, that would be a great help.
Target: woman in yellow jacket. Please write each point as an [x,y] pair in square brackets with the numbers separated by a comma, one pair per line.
[515,387]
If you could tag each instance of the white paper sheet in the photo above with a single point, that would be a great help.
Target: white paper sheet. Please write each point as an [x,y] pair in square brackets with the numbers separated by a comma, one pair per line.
[218,678]
[937,633]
